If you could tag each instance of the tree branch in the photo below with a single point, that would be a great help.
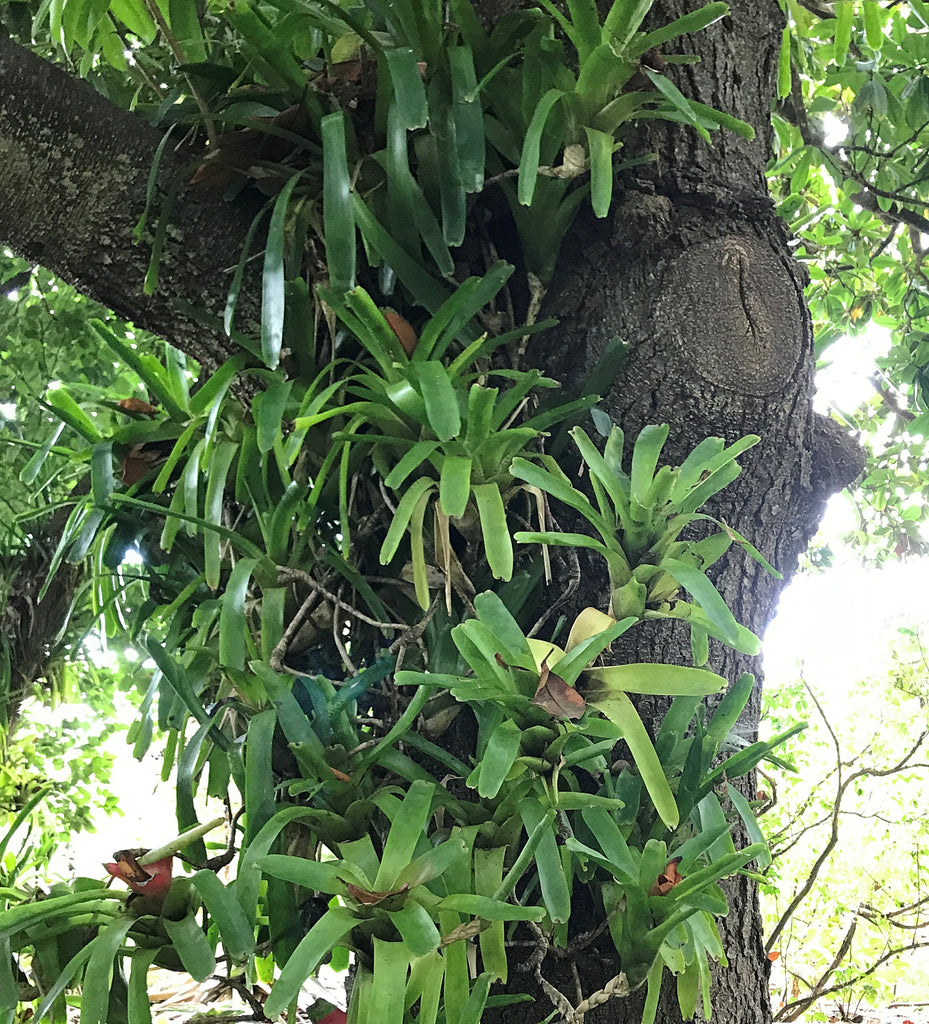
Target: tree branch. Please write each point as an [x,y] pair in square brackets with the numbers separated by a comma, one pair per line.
[75,170]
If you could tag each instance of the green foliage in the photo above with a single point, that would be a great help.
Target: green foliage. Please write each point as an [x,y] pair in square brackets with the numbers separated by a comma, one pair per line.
[343,632]
[219,617]
[847,834]
[849,178]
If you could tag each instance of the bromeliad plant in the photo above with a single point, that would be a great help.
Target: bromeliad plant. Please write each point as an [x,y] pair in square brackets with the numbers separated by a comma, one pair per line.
[640,515]
[415,773]
[355,841]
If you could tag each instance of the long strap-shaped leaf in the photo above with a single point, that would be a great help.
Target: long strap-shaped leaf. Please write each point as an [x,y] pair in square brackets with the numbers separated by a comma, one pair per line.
[619,710]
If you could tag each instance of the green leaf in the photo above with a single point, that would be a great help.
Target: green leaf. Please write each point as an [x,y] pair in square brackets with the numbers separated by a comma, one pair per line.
[391,964]
[322,876]
[694,21]
[268,412]
[220,461]
[406,829]
[698,583]
[490,909]
[402,516]
[233,628]
[451,319]
[192,946]
[873,23]
[139,1007]
[98,976]
[68,410]
[425,289]
[654,678]
[558,487]
[752,827]
[645,455]
[417,929]
[844,14]
[619,710]
[235,929]
[729,708]
[556,895]
[783,65]
[410,462]
[529,158]
[409,92]
[328,931]
[600,147]
[455,484]
[677,99]
[473,1010]
[468,118]
[497,759]
[624,18]
[440,398]
[185,25]
[611,842]
[494,530]
[338,205]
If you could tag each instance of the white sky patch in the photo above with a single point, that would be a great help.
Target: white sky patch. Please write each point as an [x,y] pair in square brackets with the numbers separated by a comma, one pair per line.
[8,411]
[835,130]
[842,382]
[837,624]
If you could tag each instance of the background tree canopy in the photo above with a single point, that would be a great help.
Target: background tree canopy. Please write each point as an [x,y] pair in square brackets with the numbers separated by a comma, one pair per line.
[456,403]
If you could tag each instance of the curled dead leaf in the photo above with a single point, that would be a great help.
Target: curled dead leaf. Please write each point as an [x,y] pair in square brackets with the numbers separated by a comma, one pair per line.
[138,462]
[369,898]
[403,329]
[668,879]
[556,697]
[136,405]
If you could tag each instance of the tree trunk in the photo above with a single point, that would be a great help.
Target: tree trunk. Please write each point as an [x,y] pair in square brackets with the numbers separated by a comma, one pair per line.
[75,171]
[693,272]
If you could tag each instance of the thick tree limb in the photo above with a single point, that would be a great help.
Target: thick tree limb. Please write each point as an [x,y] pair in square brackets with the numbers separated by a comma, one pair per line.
[74,169]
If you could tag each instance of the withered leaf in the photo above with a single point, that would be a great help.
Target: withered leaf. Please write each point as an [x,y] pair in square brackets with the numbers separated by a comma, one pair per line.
[668,879]
[403,329]
[136,405]
[371,899]
[138,463]
[556,697]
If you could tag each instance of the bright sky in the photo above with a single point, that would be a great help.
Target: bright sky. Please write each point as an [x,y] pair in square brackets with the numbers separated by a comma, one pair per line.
[838,622]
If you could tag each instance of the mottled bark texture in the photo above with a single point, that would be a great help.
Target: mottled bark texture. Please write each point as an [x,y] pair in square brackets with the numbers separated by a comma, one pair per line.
[74,171]
[693,272]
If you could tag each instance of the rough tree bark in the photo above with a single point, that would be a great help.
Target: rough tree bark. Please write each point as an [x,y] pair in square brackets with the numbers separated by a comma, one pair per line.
[693,272]
[74,170]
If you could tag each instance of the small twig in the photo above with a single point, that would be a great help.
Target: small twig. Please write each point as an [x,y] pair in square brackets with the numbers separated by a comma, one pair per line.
[276,660]
[414,633]
[559,1001]
[246,993]
[618,986]
[574,581]
[340,646]
[174,46]
[890,399]
[539,951]
[298,575]
[537,292]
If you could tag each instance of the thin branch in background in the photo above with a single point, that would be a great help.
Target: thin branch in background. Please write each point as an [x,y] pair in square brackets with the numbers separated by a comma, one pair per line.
[841,788]
[888,954]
